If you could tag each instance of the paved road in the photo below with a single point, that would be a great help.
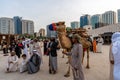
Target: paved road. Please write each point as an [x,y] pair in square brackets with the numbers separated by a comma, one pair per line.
[99,68]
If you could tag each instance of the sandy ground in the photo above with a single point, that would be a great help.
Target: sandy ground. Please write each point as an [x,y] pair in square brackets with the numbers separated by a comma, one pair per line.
[99,68]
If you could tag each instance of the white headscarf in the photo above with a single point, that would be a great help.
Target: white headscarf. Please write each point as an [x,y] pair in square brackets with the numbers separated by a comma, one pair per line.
[116,42]
[35,52]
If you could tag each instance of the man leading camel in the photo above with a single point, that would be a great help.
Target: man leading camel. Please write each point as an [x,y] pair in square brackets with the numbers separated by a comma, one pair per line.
[76,58]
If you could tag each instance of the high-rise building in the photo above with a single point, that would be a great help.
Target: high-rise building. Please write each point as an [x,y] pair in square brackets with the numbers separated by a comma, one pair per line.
[75,24]
[18,24]
[118,15]
[51,33]
[42,32]
[6,25]
[27,27]
[95,19]
[30,27]
[109,17]
[84,20]
[48,31]
[24,27]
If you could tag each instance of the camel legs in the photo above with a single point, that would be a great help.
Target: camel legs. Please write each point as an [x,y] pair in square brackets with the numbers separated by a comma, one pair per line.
[88,59]
[63,56]
[68,71]
[83,56]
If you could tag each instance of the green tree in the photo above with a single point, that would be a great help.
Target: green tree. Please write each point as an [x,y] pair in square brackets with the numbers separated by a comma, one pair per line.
[68,29]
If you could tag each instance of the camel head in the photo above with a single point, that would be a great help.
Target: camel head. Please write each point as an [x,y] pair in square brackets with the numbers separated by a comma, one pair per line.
[61,27]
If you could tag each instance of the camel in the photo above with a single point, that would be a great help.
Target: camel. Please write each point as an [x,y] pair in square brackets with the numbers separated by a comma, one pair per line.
[66,42]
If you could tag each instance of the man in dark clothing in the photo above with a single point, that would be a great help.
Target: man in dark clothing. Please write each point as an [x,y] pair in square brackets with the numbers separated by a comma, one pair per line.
[52,50]
[45,47]
[12,45]
[5,49]
[91,47]
[18,50]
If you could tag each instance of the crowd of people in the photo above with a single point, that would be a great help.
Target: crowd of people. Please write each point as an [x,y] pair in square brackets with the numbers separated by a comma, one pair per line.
[32,57]
[97,44]
[30,52]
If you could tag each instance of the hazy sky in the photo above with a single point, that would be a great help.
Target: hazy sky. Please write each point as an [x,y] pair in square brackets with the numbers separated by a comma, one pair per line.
[44,12]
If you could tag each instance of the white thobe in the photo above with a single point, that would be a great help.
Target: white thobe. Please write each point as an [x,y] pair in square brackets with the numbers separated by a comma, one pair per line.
[25,50]
[14,65]
[116,54]
[99,45]
[31,49]
[23,65]
[41,46]
[38,48]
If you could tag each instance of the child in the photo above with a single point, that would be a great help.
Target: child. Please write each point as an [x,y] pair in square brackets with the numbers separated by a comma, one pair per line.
[12,63]
[23,66]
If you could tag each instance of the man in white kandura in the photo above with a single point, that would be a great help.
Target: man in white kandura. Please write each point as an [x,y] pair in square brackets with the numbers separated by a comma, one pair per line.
[25,48]
[99,44]
[12,63]
[116,55]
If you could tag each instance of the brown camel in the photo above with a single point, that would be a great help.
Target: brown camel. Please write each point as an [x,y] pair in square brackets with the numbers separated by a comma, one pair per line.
[66,42]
